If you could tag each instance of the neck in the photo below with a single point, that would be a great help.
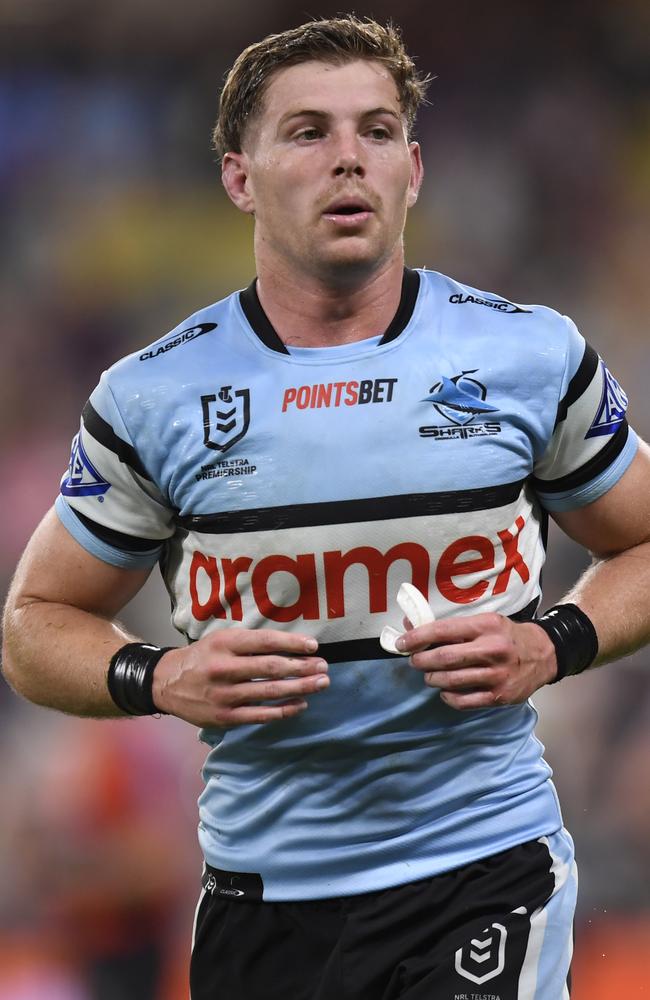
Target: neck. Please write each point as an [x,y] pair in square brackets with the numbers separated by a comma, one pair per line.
[309,312]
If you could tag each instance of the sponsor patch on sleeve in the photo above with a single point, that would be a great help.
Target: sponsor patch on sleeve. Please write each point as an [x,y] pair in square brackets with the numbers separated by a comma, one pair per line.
[83,479]
[611,409]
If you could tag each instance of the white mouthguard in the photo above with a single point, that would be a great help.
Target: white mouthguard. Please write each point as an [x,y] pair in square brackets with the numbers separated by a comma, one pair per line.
[416,608]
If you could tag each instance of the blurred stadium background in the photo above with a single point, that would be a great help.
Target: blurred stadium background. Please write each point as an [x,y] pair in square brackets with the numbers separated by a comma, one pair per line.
[114,227]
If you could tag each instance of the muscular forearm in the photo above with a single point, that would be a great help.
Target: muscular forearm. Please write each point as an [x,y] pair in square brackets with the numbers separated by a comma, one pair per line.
[482,661]
[56,655]
[615,594]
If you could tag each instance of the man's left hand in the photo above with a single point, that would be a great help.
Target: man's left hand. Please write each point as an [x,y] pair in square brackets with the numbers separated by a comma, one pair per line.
[481,661]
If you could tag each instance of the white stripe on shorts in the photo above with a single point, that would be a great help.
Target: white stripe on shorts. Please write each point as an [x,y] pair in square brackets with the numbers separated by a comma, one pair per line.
[196,919]
[196,916]
[550,943]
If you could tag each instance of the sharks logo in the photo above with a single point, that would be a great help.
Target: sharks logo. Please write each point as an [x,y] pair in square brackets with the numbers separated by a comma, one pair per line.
[460,399]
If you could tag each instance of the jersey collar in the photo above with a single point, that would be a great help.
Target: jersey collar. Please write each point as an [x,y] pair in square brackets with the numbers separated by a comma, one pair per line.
[261,324]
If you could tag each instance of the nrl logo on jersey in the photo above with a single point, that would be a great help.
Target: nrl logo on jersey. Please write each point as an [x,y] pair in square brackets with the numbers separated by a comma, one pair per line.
[226,417]
[612,407]
[459,401]
[83,478]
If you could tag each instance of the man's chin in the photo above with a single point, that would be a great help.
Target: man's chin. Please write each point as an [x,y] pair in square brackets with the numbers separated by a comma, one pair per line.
[347,264]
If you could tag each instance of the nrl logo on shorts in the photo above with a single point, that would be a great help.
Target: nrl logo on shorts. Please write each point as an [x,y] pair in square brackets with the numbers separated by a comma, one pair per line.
[226,416]
[484,957]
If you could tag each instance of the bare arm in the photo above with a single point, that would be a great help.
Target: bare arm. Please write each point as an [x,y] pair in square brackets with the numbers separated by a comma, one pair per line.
[615,590]
[60,634]
[483,660]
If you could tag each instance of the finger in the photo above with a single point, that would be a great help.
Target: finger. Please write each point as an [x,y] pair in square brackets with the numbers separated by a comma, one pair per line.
[429,636]
[258,691]
[471,700]
[254,641]
[479,679]
[449,631]
[243,668]
[454,657]
[262,714]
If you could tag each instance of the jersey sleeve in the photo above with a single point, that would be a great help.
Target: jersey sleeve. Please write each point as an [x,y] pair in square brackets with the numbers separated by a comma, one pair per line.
[591,445]
[108,500]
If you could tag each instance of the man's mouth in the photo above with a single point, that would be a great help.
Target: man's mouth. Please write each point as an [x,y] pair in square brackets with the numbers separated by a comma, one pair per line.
[348,210]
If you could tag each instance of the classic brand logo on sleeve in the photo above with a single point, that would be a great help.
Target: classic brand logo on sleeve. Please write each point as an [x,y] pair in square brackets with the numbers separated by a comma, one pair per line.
[501,305]
[181,338]
[83,478]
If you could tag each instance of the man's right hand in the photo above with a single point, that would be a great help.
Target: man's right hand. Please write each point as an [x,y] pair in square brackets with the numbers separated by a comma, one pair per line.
[227,677]
[61,631]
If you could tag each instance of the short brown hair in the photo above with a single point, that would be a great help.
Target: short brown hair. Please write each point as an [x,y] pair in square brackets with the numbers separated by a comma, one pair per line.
[336,40]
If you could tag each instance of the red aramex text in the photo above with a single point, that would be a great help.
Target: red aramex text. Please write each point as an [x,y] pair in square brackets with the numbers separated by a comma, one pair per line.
[223,581]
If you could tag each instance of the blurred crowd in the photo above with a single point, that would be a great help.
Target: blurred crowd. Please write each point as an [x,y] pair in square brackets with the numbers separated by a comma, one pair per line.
[537,148]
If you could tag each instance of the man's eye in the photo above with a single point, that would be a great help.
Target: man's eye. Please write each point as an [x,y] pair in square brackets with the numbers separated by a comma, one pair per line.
[310,134]
[379,132]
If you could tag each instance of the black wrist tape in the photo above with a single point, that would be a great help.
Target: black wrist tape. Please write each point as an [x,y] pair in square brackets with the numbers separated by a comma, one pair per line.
[574,637]
[130,677]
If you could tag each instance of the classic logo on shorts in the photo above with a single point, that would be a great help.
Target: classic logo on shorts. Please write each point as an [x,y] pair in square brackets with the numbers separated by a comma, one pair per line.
[459,401]
[83,478]
[612,407]
[233,885]
[484,957]
[226,417]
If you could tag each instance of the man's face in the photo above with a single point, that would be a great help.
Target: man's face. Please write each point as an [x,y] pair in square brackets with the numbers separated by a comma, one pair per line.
[327,170]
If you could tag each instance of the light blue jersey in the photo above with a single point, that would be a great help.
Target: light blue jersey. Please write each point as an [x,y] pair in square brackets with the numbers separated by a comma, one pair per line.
[297,489]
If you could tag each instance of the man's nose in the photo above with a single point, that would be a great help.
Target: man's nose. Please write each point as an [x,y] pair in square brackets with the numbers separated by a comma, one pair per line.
[348,167]
[349,160]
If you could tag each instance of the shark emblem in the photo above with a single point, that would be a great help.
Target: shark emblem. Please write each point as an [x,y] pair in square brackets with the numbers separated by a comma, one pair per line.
[460,399]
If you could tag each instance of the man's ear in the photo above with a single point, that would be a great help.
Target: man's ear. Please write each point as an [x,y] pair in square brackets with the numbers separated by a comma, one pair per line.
[417,173]
[235,177]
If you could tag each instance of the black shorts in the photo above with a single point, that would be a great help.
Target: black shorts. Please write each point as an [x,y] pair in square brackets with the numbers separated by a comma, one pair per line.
[496,929]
